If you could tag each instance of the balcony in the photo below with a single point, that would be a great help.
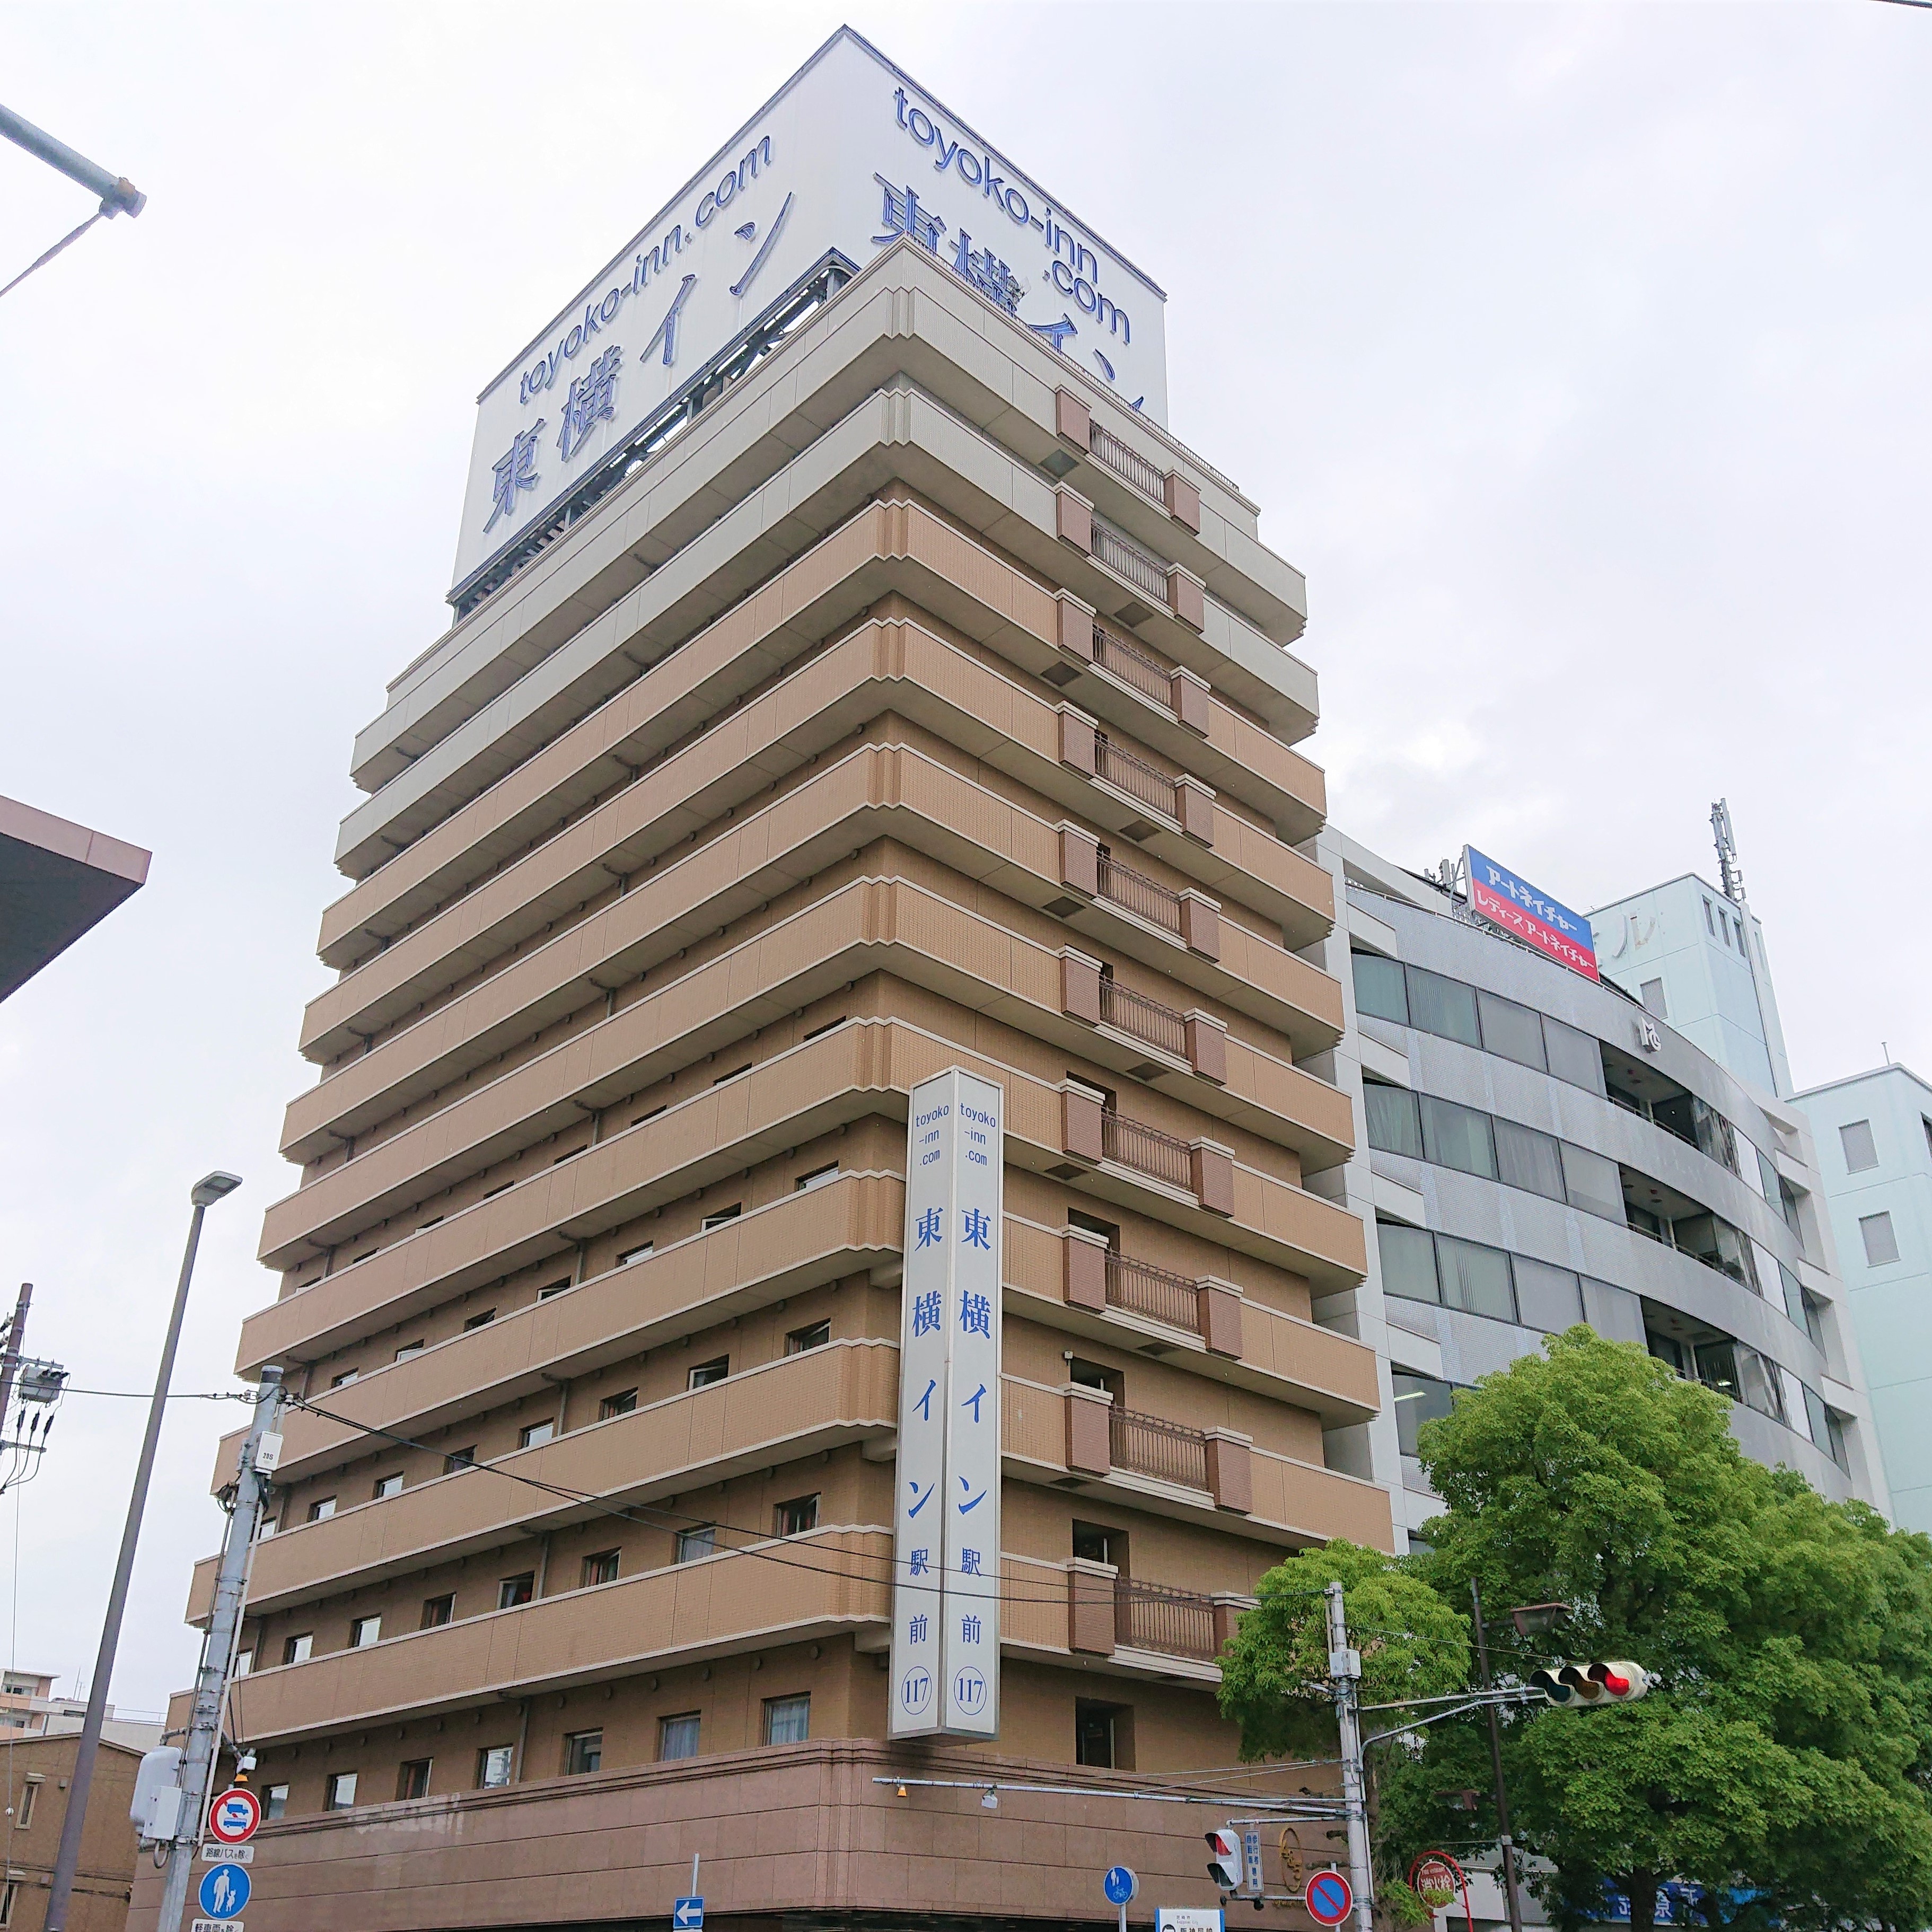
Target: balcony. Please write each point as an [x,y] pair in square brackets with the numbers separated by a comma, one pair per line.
[1151,1445]
[1147,1150]
[1146,898]
[1158,1294]
[1126,558]
[1173,1623]
[1148,1019]
[1136,777]
[1127,464]
[1133,666]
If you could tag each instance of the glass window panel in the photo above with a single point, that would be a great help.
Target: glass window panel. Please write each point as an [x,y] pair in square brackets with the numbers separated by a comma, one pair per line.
[788,1720]
[1547,1298]
[1574,1056]
[1794,1296]
[1408,1262]
[1718,1367]
[1393,1127]
[1861,1149]
[1514,1031]
[1458,1137]
[1592,1183]
[1714,1134]
[677,1737]
[1881,1241]
[1815,1415]
[1378,988]
[1527,1159]
[1444,1006]
[1418,1399]
[1767,1175]
[1475,1278]
[1759,1381]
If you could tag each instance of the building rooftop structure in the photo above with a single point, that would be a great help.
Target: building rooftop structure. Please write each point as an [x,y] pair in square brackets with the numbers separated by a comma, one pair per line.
[58,881]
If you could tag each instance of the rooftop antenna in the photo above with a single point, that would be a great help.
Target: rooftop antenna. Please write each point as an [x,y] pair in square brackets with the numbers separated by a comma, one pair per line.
[1730,874]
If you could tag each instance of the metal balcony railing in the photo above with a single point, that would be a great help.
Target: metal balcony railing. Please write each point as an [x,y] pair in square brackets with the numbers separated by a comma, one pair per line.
[1176,1623]
[1127,464]
[1137,893]
[1146,1019]
[1135,1144]
[1132,665]
[1121,554]
[1149,1445]
[1158,1293]
[1135,777]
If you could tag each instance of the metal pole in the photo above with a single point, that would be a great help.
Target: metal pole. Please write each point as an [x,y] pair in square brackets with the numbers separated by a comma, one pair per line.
[259,1454]
[117,194]
[1344,1670]
[1503,1839]
[68,1858]
[10,1363]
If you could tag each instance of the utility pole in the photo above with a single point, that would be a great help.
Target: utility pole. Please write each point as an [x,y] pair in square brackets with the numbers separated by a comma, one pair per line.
[260,1455]
[204,1193]
[1345,1671]
[1503,1839]
[10,1363]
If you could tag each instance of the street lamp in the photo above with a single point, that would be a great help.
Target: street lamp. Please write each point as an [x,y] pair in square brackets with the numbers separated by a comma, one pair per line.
[210,1189]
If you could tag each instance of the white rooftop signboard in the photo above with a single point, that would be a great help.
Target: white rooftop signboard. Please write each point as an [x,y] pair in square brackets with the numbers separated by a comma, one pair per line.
[847,157]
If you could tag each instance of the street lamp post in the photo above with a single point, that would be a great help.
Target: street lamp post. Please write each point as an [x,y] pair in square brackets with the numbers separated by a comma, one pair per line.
[204,1193]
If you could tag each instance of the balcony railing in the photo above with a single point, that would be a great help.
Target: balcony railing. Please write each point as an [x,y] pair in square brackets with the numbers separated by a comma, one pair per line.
[1146,1019]
[1135,1144]
[1137,893]
[1121,554]
[1128,464]
[1135,777]
[1158,1293]
[1176,1623]
[1149,1445]
[1133,666]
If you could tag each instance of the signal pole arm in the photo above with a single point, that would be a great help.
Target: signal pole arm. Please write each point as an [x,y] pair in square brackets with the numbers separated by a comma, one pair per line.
[1344,1671]
[1507,1843]
[259,1454]
[118,195]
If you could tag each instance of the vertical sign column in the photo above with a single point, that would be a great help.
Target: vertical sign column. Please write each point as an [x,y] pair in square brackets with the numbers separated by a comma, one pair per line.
[946,1585]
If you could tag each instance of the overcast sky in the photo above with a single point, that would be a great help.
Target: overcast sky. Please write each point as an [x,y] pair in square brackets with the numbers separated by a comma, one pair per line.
[1579,354]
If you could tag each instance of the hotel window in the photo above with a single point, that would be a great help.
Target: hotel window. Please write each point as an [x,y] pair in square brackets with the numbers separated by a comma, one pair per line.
[409,1348]
[534,1435]
[1099,1735]
[797,1517]
[582,1751]
[1861,1150]
[437,1611]
[636,1254]
[720,1216]
[677,1737]
[388,1485]
[464,1458]
[275,1801]
[322,1509]
[693,1543]
[347,1376]
[412,1778]
[621,1403]
[1881,1242]
[601,1568]
[819,1177]
[244,1662]
[363,1631]
[493,1763]
[706,1373]
[788,1720]
[514,1590]
[816,1336]
[29,1795]
[298,1649]
[339,1792]
[482,1321]
[555,1287]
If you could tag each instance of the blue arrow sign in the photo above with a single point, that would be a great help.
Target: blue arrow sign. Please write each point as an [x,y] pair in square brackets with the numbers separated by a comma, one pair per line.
[1119,1886]
[225,1890]
[688,1916]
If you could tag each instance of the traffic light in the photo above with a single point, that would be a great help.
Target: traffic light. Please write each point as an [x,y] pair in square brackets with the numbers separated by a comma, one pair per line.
[1224,1866]
[1576,1686]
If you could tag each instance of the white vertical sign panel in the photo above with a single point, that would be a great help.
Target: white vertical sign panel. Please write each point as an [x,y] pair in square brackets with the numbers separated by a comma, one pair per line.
[945,1607]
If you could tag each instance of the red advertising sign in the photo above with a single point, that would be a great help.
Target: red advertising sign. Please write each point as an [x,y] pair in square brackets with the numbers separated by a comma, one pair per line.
[1497,895]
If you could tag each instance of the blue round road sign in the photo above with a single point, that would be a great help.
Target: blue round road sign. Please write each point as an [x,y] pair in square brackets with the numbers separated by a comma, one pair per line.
[1120,1885]
[1329,1898]
[225,1890]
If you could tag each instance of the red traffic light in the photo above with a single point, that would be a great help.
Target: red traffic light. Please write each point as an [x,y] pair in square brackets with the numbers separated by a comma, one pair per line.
[1571,1685]
[1224,1867]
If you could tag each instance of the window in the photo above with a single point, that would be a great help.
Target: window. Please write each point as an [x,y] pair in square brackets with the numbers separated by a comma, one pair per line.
[1881,1243]
[268,1527]
[788,1720]
[1100,1734]
[800,1340]
[1861,1150]
[1475,1278]
[1651,993]
[601,1568]
[824,1026]
[502,1187]
[1094,1543]
[480,1320]
[339,1791]
[388,1485]
[409,1348]
[1710,924]
[8,1897]
[1528,1159]
[1510,1030]
[1575,1057]
[492,1766]
[1717,1367]
[796,1517]
[568,1154]
[1408,1262]
[706,1373]
[718,1216]
[298,1649]
[1592,1183]
[1393,1127]
[29,1796]
[534,1435]
[582,1751]
[460,1459]
[1457,1136]
[1379,992]
[819,1177]
[677,1737]
[1763,1387]
[322,1509]
[275,1801]
[641,1118]
[244,1662]
[621,1403]
[718,1080]
[1444,1006]
[347,1376]
[1418,1399]
[514,1590]
[636,1254]
[1927,1126]
[693,1543]
[555,1287]
[437,1611]
[412,1778]
[363,1631]
[1547,1298]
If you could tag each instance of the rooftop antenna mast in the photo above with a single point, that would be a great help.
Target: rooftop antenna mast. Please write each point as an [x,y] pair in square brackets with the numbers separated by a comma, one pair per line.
[1730,874]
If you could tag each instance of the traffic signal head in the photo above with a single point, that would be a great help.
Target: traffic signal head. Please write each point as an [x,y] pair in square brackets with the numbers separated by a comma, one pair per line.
[1224,1858]
[1574,1686]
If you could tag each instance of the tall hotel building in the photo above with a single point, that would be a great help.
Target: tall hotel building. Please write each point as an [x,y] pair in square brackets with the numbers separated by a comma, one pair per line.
[852,680]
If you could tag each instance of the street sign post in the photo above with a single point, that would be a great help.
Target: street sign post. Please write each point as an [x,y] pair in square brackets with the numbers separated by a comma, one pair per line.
[211,1854]
[1330,1898]
[687,1914]
[1120,1884]
[235,1816]
[224,1891]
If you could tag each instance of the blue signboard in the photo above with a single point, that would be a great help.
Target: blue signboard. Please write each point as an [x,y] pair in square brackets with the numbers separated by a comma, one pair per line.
[1119,1886]
[1497,895]
[225,1890]
[687,1914]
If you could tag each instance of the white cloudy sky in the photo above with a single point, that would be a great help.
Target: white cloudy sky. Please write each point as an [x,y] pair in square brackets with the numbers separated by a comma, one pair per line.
[1579,354]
